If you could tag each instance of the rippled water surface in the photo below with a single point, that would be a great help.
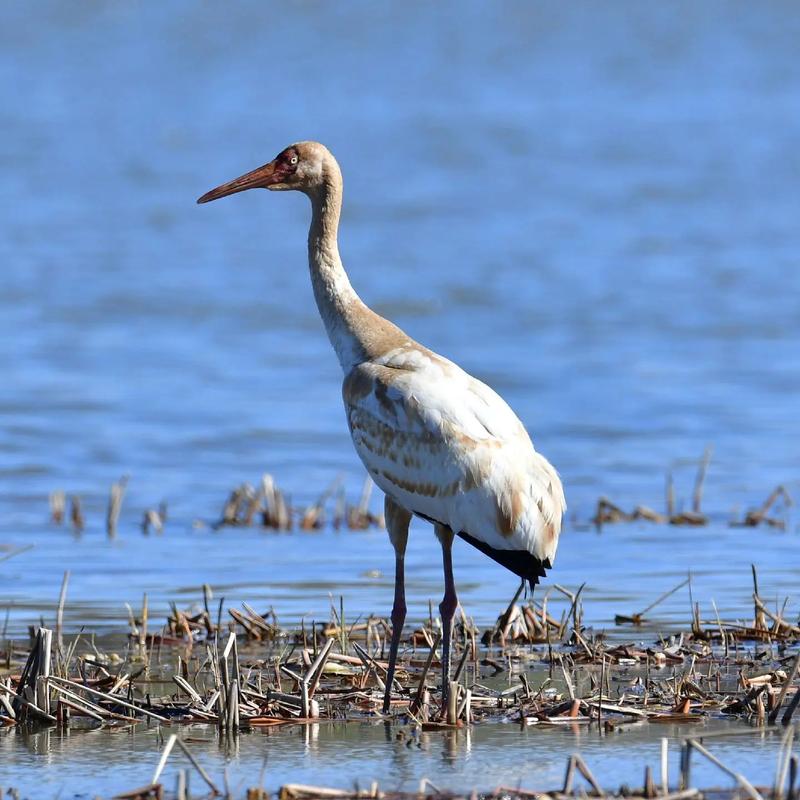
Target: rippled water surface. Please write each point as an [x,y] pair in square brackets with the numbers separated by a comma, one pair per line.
[593,209]
[346,754]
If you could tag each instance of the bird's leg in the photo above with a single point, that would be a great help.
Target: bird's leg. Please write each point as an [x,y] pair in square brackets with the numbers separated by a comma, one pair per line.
[397,521]
[447,608]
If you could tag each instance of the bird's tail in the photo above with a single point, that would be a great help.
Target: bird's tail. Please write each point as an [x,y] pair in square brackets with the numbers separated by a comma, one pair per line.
[520,562]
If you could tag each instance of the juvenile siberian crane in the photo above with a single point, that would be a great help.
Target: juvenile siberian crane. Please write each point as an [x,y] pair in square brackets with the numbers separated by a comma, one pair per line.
[442,445]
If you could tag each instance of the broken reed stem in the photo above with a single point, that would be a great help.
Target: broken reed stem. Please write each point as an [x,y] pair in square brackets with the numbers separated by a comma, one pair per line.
[758,614]
[773,715]
[663,597]
[115,499]
[196,764]
[164,756]
[670,495]
[421,687]
[58,504]
[62,599]
[143,628]
[452,703]
[787,717]
[113,699]
[686,765]
[366,493]
[600,693]
[737,776]
[576,762]
[76,514]
[502,621]
[783,763]
[317,666]
[180,786]
[697,497]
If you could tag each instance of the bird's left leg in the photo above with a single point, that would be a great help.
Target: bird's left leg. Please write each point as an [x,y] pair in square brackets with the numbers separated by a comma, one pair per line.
[397,522]
[447,608]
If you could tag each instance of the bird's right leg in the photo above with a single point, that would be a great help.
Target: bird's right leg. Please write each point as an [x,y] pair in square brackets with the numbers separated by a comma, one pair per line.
[397,522]
[448,606]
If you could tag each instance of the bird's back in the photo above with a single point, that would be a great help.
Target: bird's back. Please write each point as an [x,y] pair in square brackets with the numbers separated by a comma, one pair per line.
[448,448]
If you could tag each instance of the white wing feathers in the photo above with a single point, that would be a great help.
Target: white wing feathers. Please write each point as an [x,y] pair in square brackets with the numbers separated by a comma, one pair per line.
[447,447]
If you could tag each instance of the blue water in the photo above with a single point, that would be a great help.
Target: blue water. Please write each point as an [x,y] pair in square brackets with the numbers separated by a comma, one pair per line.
[594,209]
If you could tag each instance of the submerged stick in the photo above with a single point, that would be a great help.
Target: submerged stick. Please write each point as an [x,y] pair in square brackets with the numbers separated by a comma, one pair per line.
[737,776]
[16,552]
[587,774]
[196,764]
[164,756]
[783,763]
[637,617]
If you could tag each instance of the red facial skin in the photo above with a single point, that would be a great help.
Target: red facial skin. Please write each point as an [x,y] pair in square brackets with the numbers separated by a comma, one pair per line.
[278,171]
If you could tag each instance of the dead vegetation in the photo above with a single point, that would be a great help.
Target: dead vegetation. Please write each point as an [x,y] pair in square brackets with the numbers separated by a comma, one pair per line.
[267,507]
[608,512]
[238,668]
[201,666]
[337,667]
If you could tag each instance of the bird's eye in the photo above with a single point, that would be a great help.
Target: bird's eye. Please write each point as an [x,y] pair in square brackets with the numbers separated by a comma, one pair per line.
[293,160]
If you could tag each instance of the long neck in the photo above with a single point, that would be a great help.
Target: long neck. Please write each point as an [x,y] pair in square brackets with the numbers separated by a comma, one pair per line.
[356,332]
[339,305]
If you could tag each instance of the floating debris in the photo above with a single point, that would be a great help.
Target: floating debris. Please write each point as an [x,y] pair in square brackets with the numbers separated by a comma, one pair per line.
[608,512]
[754,518]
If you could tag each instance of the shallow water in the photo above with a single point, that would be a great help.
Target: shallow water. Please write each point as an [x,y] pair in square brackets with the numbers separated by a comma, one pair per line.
[343,754]
[593,210]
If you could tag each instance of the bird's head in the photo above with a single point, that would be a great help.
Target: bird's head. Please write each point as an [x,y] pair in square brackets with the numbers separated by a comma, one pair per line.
[304,166]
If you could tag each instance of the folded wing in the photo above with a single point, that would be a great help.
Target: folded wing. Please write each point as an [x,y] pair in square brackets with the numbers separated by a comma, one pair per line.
[448,448]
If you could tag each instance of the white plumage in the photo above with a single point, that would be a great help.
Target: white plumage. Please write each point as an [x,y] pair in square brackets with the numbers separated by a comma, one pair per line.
[441,444]
[447,447]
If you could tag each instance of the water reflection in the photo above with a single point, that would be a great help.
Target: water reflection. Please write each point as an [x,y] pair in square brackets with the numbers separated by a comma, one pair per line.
[487,755]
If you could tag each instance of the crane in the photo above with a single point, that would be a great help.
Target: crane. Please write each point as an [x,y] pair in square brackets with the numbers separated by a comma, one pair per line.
[440,444]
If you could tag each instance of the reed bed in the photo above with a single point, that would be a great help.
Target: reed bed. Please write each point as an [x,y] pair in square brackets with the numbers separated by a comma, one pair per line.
[237,668]
[768,513]
[265,505]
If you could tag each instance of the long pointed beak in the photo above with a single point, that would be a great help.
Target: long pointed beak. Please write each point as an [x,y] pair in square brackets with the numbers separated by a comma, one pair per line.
[259,178]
